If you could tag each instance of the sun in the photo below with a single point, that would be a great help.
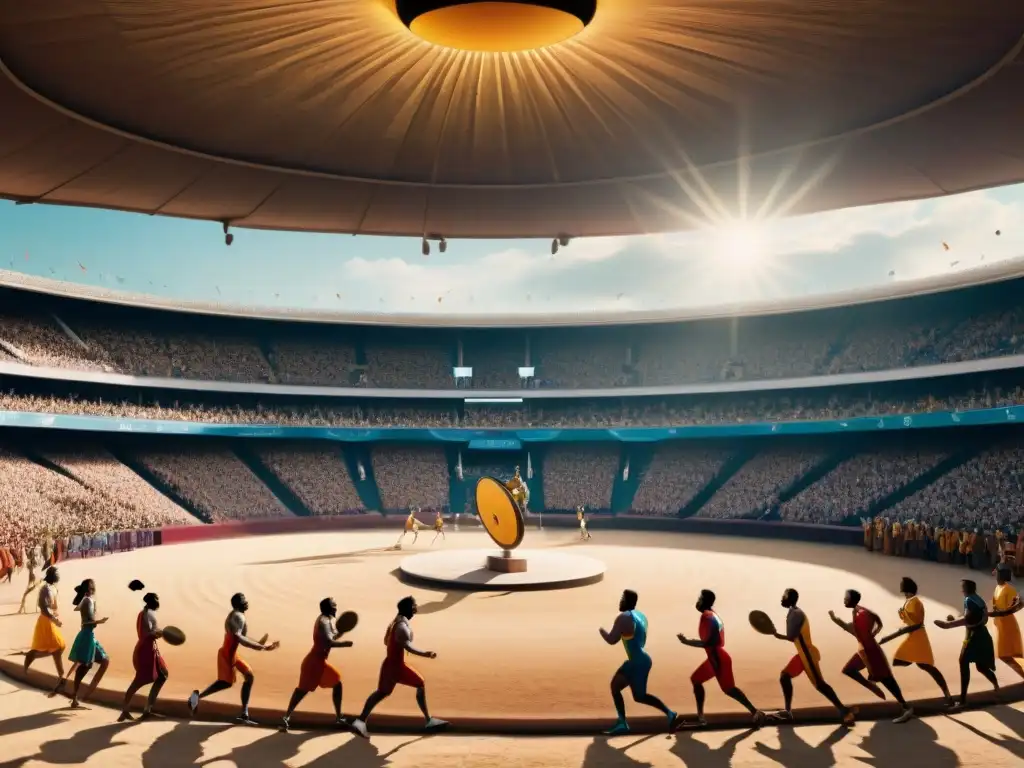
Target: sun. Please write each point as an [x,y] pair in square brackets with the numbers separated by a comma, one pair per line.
[739,245]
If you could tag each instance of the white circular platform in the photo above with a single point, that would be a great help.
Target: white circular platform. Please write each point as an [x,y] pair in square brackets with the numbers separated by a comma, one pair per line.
[467,569]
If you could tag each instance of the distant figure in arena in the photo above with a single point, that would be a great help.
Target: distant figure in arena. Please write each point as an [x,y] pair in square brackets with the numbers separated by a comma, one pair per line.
[150,667]
[31,562]
[915,648]
[315,672]
[438,528]
[865,626]
[86,649]
[977,648]
[412,525]
[581,515]
[394,671]
[1005,603]
[807,659]
[46,638]
[718,665]
[229,663]
[630,628]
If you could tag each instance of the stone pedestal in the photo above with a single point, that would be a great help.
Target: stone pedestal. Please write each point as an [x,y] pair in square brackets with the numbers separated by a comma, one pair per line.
[506,564]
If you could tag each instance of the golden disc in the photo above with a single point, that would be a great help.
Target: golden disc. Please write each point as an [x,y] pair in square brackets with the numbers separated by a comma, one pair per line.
[499,513]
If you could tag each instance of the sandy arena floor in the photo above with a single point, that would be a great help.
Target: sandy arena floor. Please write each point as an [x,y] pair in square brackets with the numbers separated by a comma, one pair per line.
[532,654]
[36,732]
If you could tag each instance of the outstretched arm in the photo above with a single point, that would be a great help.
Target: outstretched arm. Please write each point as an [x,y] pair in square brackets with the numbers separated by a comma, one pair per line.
[840,623]
[1016,606]
[236,625]
[711,642]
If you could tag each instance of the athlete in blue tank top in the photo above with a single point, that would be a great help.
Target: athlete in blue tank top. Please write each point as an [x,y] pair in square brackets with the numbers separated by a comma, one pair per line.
[630,628]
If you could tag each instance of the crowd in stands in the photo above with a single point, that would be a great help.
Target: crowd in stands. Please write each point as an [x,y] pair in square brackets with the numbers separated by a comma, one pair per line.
[675,476]
[215,482]
[84,493]
[411,476]
[857,483]
[951,543]
[580,475]
[756,487]
[652,412]
[317,475]
[871,338]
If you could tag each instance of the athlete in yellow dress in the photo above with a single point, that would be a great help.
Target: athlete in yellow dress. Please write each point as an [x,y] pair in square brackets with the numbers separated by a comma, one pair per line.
[438,528]
[47,639]
[1005,603]
[916,648]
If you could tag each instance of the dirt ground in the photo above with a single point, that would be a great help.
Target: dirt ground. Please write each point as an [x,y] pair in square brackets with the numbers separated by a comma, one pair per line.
[527,654]
[36,732]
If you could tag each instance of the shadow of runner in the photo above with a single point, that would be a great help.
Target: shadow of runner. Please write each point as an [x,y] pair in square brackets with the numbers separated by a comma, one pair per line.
[794,752]
[913,743]
[81,746]
[696,754]
[1012,719]
[181,746]
[601,754]
[32,722]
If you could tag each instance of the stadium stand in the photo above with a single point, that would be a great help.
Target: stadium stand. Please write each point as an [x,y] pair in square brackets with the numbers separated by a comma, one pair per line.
[580,475]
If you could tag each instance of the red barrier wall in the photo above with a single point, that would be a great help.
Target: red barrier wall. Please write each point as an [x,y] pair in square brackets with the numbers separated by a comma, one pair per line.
[831,534]
[189,533]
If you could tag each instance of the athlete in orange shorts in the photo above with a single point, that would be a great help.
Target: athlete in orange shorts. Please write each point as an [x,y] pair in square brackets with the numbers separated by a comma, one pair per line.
[718,665]
[394,671]
[315,672]
[229,663]
[798,632]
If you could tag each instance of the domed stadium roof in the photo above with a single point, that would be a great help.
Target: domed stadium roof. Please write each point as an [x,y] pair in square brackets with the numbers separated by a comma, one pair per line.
[639,116]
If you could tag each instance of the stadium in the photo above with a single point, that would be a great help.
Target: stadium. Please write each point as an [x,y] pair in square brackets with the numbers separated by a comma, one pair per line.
[822,441]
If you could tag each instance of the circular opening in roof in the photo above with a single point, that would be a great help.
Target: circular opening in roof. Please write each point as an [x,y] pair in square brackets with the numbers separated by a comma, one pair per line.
[495,26]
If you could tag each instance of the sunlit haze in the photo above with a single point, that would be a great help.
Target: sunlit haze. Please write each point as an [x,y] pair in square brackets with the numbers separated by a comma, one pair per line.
[737,262]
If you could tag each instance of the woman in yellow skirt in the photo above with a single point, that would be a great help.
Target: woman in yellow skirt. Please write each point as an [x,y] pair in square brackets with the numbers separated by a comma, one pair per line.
[1005,603]
[47,639]
[916,648]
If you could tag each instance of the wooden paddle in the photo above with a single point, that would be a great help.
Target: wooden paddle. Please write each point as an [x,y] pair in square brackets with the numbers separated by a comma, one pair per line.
[762,622]
[174,636]
[347,622]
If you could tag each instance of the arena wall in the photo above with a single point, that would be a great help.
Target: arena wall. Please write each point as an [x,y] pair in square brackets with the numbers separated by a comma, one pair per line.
[825,534]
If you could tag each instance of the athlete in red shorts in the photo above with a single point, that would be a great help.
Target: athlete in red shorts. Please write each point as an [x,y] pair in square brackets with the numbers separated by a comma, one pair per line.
[718,665]
[395,671]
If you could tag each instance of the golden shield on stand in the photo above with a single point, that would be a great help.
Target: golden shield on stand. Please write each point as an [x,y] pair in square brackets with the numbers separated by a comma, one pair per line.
[499,513]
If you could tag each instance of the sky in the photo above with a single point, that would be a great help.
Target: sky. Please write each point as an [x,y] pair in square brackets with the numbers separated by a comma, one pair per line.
[743,262]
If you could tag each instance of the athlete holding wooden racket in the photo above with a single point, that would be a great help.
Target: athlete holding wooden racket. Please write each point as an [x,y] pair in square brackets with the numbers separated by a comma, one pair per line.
[230,664]
[798,632]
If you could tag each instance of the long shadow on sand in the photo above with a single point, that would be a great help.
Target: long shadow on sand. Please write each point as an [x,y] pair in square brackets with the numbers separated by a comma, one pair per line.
[1013,719]
[696,754]
[601,753]
[334,557]
[794,752]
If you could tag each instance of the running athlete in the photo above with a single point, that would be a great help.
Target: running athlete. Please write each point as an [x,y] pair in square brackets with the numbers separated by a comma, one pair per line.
[150,667]
[31,562]
[1005,603]
[581,515]
[977,648]
[807,658]
[412,525]
[870,656]
[630,628]
[394,670]
[719,664]
[46,638]
[86,650]
[438,528]
[229,663]
[915,648]
[315,672]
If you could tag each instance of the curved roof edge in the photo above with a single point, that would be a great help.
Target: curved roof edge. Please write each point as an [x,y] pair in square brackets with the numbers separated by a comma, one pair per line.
[898,289]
